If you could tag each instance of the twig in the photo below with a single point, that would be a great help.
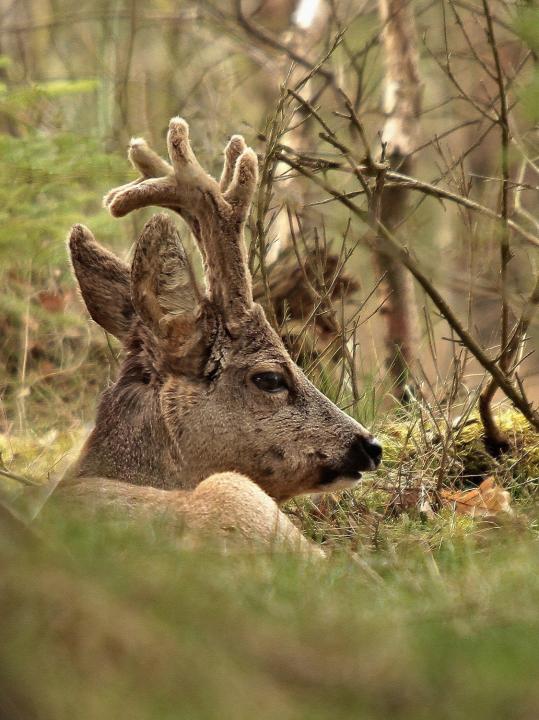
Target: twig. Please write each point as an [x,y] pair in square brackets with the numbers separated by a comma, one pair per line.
[331,137]
[268,39]
[434,191]
[494,436]
[20,478]
[395,249]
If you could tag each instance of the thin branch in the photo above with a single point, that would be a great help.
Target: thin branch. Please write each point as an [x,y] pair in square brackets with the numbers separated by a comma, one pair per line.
[267,38]
[395,249]
[442,194]
[20,478]
[508,347]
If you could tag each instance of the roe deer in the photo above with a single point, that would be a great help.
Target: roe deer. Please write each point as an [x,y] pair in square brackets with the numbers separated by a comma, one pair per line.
[208,402]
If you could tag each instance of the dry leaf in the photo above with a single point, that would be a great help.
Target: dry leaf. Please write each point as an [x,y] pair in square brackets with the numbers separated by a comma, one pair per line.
[487,500]
[54,301]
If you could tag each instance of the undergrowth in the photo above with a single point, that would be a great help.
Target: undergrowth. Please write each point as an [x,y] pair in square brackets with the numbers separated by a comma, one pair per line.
[121,621]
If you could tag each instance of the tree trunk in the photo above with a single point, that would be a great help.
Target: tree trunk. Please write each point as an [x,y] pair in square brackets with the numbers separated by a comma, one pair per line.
[402,105]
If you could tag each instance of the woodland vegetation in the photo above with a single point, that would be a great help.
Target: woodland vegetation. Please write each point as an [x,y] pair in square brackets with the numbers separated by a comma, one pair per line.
[393,243]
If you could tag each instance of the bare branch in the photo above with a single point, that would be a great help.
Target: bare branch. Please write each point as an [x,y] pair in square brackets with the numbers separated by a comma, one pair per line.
[393,247]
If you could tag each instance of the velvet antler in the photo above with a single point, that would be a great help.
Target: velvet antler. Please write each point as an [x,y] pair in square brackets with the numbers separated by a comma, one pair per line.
[216,212]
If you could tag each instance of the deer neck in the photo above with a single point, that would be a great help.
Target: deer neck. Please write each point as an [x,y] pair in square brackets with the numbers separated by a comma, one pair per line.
[130,441]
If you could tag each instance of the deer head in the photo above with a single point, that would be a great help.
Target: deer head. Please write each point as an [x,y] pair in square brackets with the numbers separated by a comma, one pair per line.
[207,385]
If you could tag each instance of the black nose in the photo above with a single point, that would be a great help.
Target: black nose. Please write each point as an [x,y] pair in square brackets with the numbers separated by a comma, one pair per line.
[366,451]
[373,449]
[363,453]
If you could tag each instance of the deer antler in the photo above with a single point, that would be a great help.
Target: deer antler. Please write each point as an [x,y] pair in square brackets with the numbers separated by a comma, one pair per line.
[215,212]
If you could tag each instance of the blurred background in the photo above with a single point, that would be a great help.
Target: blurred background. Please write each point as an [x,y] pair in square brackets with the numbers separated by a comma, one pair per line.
[390,133]
[417,84]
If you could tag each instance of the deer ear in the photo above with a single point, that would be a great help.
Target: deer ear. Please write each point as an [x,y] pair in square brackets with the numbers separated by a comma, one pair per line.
[104,282]
[163,287]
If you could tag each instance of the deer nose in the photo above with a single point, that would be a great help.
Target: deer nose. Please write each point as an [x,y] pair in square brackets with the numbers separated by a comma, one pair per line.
[372,449]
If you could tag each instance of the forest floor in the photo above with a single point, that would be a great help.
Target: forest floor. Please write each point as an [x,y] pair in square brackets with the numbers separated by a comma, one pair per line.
[420,608]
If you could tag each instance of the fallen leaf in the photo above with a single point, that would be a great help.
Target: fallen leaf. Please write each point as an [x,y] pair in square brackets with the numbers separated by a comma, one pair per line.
[54,301]
[487,500]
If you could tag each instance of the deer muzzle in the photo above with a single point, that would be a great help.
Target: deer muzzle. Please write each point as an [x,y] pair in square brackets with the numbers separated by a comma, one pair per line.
[364,453]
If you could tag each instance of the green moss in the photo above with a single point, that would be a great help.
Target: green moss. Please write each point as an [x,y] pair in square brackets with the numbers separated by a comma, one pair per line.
[420,444]
[31,466]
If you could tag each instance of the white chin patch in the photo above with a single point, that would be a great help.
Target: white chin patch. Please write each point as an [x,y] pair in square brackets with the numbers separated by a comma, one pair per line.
[343,483]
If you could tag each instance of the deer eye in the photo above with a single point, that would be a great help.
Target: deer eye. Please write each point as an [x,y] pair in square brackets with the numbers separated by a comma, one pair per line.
[271,382]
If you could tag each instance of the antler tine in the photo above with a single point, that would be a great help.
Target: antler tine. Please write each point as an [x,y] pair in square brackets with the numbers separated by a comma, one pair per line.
[241,189]
[227,266]
[159,182]
[236,145]
[146,160]
[215,211]
[186,166]
[157,191]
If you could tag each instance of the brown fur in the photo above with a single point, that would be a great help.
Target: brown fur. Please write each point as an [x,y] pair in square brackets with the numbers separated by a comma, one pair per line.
[112,307]
[185,406]
[226,506]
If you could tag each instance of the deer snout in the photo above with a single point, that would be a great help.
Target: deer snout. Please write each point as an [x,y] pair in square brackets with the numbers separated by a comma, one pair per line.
[364,453]
[373,449]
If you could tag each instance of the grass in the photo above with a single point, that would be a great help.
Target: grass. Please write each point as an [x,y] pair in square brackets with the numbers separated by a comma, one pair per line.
[407,618]
[117,621]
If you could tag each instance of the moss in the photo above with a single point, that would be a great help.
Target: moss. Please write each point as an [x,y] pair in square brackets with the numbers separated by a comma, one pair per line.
[32,466]
[418,444]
